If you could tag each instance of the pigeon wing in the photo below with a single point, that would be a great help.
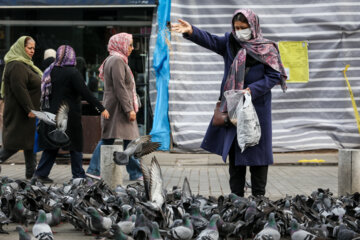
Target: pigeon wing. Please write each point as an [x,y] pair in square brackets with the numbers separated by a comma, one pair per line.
[146,148]
[47,117]
[62,117]
[146,174]
[156,183]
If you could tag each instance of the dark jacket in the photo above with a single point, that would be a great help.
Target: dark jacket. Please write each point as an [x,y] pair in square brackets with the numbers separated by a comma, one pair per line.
[22,94]
[67,85]
[260,79]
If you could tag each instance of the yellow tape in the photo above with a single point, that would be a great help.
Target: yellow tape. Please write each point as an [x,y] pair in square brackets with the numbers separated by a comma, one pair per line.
[311,160]
[352,98]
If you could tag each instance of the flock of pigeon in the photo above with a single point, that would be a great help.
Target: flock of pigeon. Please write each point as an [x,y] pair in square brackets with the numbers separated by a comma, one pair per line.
[148,211]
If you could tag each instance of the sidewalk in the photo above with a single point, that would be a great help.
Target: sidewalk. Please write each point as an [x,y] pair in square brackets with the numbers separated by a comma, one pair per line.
[207,174]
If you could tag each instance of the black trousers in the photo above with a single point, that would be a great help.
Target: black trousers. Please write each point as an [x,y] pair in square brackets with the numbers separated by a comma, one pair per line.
[30,159]
[238,177]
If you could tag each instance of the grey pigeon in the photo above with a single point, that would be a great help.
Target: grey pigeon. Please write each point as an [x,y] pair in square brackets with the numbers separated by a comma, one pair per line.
[155,234]
[211,232]
[22,234]
[118,234]
[41,230]
[20,214]
[183,232]
[126,224]
[299,234]
[341,232]
[54,217]
[137,148]
[98,223]
[270,230]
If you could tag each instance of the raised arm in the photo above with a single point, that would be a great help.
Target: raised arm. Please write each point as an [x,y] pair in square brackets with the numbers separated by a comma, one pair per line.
[203,38]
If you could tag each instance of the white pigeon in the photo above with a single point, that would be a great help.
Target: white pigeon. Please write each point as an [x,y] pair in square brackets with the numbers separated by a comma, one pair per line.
[270,230]
[41,230]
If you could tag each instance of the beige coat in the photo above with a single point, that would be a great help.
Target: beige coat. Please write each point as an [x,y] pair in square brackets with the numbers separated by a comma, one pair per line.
[118,100]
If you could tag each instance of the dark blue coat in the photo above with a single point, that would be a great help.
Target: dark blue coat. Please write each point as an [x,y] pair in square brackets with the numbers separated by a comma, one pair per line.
[260,79]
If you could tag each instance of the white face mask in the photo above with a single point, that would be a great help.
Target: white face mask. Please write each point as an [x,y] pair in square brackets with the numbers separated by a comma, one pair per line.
[244,34]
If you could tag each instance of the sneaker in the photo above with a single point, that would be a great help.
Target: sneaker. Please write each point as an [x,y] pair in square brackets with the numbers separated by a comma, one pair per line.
[44,179]
[93,176]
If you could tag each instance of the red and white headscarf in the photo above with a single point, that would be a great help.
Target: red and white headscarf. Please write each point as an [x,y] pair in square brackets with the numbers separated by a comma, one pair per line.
[119,46]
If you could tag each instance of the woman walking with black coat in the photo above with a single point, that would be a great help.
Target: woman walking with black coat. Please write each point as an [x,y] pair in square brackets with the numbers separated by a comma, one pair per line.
[62,83]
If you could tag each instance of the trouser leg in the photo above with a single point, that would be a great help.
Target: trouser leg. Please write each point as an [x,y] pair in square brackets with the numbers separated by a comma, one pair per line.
[258,179]
[46,162]
[76,164]
[237,175]
[30,163]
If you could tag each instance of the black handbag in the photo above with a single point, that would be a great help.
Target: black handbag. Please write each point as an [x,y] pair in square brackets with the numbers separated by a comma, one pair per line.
[51,141]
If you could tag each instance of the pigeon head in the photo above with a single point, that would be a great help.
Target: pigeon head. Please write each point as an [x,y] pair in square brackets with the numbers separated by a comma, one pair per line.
[212,223]
[294,225]
[41,217]
[93,213]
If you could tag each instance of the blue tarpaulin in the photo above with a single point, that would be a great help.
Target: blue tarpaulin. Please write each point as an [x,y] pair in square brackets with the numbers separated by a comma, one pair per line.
[161,129]
[73,2]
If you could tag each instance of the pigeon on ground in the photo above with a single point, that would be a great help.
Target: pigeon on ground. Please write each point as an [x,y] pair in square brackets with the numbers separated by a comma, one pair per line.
[270,230]
[23,235]
[211,231]
[98,223]
[20,214]
[118,234]
[53,218]
[137,148]
[183,232]
[41,230]
[341,232]
[155,234]
[126,224]
[299,234]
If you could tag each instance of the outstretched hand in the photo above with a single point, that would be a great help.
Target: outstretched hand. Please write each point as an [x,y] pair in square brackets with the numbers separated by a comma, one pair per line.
[182,27]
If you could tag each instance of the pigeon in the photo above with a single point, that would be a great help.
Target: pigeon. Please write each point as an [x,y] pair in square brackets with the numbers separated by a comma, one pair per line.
[20,214]
[54,217]
[41,230]
[183,232]
[341,232]
[299,234]
[137,148]
[23,235]
[118,234]
[98,223]
[126,224]
[199,222]
[270,230]
[153,182]
[58,135]
[211,231]
[155,234]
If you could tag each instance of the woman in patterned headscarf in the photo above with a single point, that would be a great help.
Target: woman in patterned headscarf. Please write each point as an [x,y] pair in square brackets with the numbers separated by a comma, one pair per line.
[121,101]
[252,63]
[20,88]
[62,83]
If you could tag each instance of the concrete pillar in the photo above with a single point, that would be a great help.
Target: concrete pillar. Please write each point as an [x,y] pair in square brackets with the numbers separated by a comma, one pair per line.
[348,171]
[109,171]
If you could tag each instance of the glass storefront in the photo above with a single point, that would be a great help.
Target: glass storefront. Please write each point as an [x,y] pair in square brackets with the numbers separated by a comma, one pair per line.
[87,30]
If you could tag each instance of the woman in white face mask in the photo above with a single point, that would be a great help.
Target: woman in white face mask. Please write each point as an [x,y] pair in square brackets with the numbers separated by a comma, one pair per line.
[251,63]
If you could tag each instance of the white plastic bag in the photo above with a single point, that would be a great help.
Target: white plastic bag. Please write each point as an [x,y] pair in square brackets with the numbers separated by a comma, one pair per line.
[233,98]
[248,126]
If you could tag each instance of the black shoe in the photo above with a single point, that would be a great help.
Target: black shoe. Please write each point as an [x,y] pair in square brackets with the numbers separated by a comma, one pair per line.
[45,179]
